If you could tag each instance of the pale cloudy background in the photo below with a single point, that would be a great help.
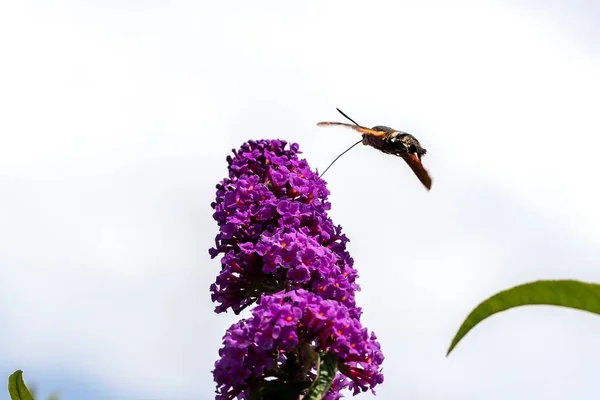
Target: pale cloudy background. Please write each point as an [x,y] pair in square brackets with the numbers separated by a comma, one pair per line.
[115,120]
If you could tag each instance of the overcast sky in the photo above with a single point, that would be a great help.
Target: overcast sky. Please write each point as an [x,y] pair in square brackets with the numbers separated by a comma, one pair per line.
[115,121]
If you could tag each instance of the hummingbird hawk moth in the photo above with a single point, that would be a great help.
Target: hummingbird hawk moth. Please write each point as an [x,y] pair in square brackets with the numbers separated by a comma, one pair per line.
[389,141]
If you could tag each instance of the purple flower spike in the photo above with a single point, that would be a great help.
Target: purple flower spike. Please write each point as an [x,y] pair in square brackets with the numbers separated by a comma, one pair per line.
[278,246]
[274,230]
[282,338]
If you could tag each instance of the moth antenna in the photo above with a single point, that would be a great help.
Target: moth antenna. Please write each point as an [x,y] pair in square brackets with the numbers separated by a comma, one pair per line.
[347,117]
[345,151]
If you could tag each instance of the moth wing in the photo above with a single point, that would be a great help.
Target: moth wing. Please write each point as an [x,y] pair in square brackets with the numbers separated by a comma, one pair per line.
[358,128]
[415,164]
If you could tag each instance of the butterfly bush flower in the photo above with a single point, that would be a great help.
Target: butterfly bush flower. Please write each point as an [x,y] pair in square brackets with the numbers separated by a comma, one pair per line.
[279,247]
[282,338]
[274,230]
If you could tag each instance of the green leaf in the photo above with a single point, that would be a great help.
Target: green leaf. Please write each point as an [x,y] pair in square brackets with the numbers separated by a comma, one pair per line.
[325,374]
[565,293]
[277,390]
[17,388]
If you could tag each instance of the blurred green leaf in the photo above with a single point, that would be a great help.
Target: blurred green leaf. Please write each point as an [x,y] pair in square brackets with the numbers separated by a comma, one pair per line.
[325,376]
[565,293]
[17,388]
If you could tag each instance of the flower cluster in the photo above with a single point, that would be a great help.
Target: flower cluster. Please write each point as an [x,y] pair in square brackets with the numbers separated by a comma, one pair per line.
[270,342]
[274,230]
[279,247]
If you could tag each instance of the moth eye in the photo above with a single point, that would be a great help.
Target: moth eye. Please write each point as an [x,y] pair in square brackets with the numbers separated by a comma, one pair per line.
[412,148]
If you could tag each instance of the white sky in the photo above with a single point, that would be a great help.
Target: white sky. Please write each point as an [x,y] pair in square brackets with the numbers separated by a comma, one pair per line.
[115,120]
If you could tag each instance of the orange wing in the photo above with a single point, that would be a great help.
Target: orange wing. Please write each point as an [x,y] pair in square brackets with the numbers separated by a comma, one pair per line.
[358,128]
[415,164]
